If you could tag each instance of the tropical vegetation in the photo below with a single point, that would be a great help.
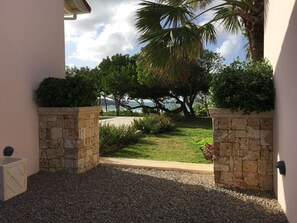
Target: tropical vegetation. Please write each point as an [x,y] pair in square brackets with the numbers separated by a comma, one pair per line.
[174,31]
[123,77]
[117,73]
[113,138]
[184,143]
[246,86]
[154,124]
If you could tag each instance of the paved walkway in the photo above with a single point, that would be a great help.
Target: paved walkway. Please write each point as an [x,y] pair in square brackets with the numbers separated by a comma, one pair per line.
[117,120]
[152,164]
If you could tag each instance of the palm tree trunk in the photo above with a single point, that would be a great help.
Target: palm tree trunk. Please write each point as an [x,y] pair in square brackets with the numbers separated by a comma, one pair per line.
[256,40]
[254,28]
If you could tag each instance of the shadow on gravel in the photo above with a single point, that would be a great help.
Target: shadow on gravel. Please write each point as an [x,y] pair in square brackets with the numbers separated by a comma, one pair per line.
[107,194]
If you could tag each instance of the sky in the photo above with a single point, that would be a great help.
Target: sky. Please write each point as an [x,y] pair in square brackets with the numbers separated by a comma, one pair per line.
[109,29]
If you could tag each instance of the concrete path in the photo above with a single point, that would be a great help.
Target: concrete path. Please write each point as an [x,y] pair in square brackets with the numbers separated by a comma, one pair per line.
[117,120]
[152,164]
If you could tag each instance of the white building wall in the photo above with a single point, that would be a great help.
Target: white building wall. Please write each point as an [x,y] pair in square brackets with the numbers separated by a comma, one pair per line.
[281,50]
[31,48]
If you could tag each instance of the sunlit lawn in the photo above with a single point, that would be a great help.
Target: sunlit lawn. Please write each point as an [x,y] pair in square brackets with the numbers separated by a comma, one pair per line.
[178,145]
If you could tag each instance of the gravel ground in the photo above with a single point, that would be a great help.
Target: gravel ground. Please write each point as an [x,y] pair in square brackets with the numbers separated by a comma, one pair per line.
[109,194]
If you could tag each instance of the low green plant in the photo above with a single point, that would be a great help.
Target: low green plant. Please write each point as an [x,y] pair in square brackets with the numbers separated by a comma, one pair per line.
[205,145]
[200,111]
[113,138]
[154,124]
[76,91]
[246,86]
[122,113]
[202,142]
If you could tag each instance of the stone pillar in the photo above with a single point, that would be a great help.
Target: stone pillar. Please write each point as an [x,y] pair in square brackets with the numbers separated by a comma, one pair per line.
[68,138]
[243,146]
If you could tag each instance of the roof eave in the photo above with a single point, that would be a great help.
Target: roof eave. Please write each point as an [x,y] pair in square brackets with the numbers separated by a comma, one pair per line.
[75,7]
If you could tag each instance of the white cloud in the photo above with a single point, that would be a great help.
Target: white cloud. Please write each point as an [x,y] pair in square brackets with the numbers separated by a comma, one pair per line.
[231,45]
[108,30]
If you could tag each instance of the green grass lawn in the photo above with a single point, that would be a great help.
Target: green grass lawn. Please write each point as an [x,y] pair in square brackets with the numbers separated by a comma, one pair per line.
[178,145]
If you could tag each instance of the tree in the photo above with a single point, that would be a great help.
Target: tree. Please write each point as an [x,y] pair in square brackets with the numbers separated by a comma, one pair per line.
[86,73]
[172,34]
[184,91]
[74,71]
[118,75]
[247,16]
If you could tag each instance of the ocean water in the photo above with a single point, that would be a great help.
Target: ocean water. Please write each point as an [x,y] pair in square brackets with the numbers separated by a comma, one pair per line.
[170,105]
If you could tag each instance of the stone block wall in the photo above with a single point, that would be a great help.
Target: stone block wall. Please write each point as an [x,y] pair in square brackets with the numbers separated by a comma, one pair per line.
[68,138]
[243,146]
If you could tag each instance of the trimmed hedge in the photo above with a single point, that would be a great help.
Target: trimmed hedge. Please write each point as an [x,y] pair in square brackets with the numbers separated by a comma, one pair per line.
[246,86]
[76,91]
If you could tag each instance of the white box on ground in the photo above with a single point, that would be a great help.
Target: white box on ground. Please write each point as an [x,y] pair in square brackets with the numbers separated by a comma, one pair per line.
[13,177]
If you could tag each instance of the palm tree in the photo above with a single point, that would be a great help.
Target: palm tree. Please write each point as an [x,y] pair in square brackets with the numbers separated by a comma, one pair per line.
[247,16]
[173,35]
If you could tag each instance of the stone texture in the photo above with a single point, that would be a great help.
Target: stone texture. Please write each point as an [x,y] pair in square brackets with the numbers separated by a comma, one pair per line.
[239,123]
[249,166]
[253,132]
[225,149]
[266,137]
[243,147]
[68,139]
[220,135]
[251,180]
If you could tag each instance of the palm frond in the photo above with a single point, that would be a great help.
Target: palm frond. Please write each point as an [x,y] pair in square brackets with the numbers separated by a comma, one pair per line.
[226,15]
[153,16]
[170,48]
[199,4]
[170,35]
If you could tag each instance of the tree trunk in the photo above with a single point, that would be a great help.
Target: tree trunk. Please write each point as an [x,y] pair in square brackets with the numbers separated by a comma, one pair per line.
[183,104]
[185,111]
[256,40]
[254,28]
[105,103]
[117,106]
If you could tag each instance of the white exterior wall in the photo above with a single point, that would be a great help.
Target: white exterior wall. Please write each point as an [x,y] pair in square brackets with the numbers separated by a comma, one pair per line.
[281,50]
[31,48]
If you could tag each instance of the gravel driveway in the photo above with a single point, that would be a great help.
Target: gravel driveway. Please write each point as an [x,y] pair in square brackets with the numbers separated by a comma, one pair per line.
[110,194]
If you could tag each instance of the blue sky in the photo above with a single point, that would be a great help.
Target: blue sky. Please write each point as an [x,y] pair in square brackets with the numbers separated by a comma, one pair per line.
[109,29]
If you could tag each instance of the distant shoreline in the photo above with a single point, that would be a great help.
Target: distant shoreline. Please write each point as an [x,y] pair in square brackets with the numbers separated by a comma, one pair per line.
[108,102]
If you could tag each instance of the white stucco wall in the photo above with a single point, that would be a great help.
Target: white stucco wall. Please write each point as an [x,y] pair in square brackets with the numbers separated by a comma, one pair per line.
[281,50]
[31,48]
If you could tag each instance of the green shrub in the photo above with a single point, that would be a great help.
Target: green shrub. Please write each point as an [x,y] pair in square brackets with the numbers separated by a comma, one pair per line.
[200,111]
[205,145]
[246,86]
[122,113]
[154,124]
[201,143]
[112,138]
[76,91]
